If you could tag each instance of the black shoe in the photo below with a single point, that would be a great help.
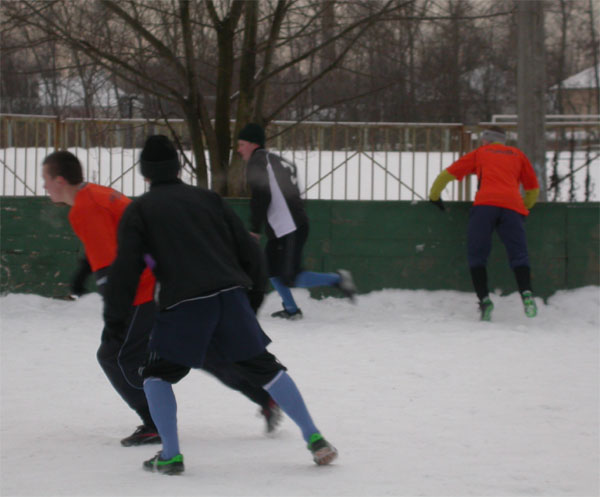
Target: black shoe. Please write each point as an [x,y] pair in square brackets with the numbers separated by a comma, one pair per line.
[323,452]
[272,415]
[284,314]
[346,284]
[144,435]
[173,466]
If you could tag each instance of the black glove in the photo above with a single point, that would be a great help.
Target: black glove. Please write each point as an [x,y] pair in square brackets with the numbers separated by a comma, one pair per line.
[256,298]
[80,277]
[439,204]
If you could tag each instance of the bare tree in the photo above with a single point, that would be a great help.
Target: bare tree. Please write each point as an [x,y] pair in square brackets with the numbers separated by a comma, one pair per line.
[156,48]
[531,87]
[595,56]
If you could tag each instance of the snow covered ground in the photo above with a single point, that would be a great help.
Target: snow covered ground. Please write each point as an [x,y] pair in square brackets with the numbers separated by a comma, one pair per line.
[419,397]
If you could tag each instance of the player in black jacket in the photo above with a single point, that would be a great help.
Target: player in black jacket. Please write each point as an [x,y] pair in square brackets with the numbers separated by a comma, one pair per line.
[211,275]
[276,204]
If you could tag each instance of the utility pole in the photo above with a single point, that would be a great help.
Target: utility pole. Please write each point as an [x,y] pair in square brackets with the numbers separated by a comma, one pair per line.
[531,87]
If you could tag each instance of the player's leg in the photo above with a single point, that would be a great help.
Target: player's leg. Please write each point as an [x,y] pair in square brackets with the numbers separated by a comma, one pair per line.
[265,369]
[159,377]
[482,220]
[127,384]
[227,374]
[281,274]
[511,229]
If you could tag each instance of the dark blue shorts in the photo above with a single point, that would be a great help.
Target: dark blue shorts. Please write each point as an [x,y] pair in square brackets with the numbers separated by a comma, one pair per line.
[510,225]
[225,322]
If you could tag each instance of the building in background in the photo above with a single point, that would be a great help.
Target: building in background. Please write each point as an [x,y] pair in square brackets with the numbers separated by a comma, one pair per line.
[579,92]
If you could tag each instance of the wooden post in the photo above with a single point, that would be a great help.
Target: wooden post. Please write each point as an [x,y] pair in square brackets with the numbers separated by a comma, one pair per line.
[531,87]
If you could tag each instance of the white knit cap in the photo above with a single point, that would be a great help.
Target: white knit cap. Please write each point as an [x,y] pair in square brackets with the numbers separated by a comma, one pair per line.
[492,135]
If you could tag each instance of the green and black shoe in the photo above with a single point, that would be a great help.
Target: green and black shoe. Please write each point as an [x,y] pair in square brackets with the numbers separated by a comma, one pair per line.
[486,306]
[323,452]
[173,466]
[529,304]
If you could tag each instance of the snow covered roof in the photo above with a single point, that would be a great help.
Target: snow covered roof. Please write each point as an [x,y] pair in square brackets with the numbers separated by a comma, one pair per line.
[70,92]
[582,80]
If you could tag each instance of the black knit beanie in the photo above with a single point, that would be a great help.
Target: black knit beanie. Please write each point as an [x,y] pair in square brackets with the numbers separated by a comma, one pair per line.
[253,133]
[159,160]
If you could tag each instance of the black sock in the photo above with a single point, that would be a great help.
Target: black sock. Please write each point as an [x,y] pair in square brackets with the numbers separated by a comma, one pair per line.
[523,276]
[479,277]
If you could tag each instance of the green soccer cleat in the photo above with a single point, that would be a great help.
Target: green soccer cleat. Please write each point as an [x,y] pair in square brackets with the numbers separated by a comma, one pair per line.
[173,466]
[323,452]
[529,304]
[486,306]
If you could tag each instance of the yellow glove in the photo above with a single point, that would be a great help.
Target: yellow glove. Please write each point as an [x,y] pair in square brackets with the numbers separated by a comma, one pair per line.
[439,184]
[530,197]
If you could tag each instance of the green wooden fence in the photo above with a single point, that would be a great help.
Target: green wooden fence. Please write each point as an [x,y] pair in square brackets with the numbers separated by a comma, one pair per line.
[386,244]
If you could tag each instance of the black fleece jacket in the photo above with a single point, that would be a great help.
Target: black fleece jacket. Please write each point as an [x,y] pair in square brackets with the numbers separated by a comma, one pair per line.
[197,241]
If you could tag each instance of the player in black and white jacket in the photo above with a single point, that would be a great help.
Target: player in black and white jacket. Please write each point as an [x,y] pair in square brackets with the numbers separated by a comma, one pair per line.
[277,206]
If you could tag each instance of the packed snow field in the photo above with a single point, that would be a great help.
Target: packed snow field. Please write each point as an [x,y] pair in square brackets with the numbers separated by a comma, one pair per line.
[419,397]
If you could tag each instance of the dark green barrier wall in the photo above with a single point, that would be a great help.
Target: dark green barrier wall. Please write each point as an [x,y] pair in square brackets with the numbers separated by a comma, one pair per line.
[385,244]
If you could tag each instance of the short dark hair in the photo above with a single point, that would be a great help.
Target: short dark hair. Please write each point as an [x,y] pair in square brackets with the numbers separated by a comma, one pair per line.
[64,163]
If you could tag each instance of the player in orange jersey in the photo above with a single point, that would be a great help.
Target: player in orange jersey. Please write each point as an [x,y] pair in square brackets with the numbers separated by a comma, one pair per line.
[94,216]
[498,205]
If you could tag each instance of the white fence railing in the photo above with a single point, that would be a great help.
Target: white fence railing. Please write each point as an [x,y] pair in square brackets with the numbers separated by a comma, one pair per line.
[342,161]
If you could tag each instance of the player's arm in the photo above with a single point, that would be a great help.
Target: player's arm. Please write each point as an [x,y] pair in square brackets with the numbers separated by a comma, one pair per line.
[249,255]
[530,197]
[125,271]
[95,227]
[530,183]
[80,276]
[260,192]
[439,184]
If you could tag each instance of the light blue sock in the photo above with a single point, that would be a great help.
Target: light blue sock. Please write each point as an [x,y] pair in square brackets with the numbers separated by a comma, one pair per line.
[163,408]
[309,279]
[289,304]
[284,391]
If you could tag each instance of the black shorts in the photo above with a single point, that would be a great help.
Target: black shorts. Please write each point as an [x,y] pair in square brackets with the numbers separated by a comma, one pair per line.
[258,370]
[284,255]
[157,367]
[225,322]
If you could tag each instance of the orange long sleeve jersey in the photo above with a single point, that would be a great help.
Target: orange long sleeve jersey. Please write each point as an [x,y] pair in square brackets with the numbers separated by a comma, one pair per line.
[95,217]
[499,169]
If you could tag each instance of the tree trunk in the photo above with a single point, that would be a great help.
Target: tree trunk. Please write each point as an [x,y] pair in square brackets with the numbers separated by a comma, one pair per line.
[531,87]
[193,124]
[225,37]
[595,59]
[236,183]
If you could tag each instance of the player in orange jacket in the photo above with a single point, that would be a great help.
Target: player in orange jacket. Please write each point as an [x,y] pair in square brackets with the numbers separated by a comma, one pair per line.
[94,216]
[498,205]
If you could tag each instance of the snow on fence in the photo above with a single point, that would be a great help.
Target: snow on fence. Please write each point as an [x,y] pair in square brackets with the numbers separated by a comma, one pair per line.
[341,161]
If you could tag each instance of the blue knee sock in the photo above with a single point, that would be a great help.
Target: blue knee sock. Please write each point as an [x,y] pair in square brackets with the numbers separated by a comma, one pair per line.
[289,304]
[309,279]
[284,391]
[163,408]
